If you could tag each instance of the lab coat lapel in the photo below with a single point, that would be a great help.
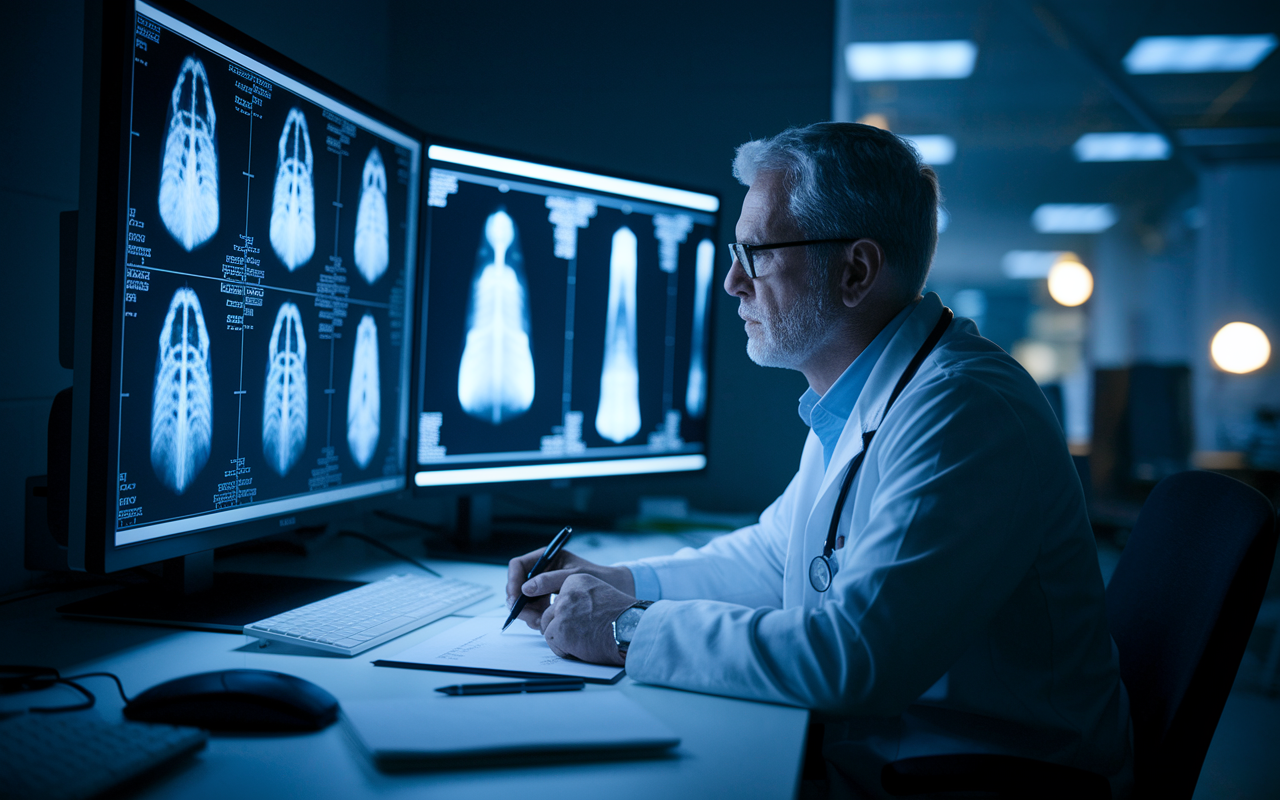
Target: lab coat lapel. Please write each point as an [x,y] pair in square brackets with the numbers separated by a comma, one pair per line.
[867,414]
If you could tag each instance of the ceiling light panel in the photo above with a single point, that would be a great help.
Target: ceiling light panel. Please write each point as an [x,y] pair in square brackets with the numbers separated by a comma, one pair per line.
[934,149]
[1073,217]
[1152,55]
[1031,264]
[910,61]
[1122,147]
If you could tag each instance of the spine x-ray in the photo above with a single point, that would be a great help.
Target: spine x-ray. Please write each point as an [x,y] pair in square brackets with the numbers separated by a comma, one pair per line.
[618,415]
[364,402]
[293,205]
[495,378]
[189,167]
[182,402]
[373,237]
[695,396]
[284,415]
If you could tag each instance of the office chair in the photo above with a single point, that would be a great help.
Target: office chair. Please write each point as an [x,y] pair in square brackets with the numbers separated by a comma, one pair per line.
[1181,606]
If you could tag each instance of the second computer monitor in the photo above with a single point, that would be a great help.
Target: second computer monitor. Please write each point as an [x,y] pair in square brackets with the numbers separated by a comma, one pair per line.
[566,321]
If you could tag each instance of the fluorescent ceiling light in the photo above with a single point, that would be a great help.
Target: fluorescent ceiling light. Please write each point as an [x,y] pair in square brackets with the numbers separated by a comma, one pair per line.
[573,177]
[1156,54]
[1122,147]
[1073,217]
[910,61]
[935,149]
[1031,264]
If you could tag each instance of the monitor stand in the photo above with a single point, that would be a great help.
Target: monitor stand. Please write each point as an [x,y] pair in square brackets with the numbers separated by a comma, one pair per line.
[474,537]
[189,594]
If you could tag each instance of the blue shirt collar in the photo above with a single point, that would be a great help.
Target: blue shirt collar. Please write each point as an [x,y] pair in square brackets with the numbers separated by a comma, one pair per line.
[828,413]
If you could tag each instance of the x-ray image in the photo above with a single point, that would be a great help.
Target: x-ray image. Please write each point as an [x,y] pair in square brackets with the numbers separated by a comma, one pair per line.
[364,403]
[182,402]
[373,237]
[618,416]
[293,206]
[495,378]
[695,397]
[284,414]
[189,166]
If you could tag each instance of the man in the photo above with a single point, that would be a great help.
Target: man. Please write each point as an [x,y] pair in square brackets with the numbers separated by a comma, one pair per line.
[965,613]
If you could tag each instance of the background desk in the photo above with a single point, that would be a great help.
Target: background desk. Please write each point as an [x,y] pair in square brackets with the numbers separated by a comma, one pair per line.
[729,748]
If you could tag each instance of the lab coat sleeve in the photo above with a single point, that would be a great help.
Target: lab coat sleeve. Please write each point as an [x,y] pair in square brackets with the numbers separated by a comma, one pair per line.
[944,545]
[743,567]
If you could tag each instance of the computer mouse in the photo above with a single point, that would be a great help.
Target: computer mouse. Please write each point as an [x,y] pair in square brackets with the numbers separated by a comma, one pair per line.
[237,700]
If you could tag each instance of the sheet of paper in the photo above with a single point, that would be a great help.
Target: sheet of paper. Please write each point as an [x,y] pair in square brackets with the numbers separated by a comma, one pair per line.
[479,645]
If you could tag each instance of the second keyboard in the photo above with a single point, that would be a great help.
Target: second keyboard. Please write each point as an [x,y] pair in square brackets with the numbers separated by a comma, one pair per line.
[356,620]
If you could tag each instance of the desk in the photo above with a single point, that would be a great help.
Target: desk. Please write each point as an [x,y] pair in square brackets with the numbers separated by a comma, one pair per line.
[729,748]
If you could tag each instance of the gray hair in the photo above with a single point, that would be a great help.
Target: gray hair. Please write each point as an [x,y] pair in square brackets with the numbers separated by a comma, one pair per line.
[846,179]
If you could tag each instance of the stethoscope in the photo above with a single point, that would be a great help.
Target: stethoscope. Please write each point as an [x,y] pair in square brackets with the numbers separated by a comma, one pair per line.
[822,570]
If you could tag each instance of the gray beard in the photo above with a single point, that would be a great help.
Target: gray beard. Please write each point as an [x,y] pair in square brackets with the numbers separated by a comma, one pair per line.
[787,341]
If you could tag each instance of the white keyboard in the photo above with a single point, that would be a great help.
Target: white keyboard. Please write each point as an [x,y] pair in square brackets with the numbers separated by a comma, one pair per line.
[358,619]
[76,757]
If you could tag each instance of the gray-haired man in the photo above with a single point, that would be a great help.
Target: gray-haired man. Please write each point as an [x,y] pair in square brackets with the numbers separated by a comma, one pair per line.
[928,582]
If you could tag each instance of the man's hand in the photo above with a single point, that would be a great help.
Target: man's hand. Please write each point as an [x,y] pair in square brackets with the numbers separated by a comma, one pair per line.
[541,587]
[580,623]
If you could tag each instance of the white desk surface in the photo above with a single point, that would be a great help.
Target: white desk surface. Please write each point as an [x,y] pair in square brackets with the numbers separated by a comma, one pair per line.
[729,748]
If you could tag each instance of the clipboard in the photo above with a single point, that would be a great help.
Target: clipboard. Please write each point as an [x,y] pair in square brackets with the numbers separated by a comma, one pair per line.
[479,646]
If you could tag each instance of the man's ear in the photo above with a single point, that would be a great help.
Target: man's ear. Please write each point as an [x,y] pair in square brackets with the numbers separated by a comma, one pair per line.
[862,266]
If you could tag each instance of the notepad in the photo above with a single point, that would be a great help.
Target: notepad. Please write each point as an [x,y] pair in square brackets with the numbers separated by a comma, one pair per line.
[459,732]
[480,646]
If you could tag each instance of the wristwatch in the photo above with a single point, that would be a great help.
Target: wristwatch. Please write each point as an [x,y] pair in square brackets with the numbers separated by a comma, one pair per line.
[624,627]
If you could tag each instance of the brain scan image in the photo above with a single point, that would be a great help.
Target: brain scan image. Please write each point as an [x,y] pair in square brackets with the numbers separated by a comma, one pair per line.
[293,204]
[364,400]
[373,236]
[495,377]
[189,166]
[284,415]
[182,401]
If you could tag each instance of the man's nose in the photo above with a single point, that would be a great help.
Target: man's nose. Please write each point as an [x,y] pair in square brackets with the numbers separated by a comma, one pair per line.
[736,282]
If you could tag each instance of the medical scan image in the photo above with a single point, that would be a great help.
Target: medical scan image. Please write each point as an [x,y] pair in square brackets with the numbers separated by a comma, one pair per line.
[618,414]
[364,400]
[372,234]
[182,401]
[189,167]
[695,398]
[284,413]
[293,205]
[495,377]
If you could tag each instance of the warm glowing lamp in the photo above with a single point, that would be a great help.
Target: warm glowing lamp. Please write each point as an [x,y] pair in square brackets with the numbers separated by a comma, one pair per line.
[1070,282]
[1240,347]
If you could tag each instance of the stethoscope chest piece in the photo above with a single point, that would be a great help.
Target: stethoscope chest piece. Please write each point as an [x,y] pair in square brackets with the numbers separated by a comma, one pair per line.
[822,569]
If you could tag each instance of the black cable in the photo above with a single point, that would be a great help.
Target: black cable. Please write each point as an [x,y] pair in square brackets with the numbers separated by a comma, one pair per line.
[119,685]
[89,702]
[388,548]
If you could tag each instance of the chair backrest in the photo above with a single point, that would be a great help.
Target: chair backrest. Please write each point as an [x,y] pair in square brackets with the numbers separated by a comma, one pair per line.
[1181,606]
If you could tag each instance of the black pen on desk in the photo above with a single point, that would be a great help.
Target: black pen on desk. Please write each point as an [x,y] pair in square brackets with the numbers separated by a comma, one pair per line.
[517,687]
[539,567]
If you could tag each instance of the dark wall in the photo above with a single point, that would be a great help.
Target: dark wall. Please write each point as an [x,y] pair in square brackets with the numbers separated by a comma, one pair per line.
[664,90]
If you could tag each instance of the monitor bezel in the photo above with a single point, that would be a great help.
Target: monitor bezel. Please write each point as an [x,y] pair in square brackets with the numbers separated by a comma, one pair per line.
[108,54]
[420,310]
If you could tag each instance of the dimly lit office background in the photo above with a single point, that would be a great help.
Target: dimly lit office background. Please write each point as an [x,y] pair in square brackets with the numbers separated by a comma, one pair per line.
[1174,223]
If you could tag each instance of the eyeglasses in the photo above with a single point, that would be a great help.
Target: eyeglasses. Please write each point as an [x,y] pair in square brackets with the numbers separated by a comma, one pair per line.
[745,253]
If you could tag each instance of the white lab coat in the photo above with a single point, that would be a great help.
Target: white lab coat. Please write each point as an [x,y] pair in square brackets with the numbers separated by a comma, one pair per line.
[967,614]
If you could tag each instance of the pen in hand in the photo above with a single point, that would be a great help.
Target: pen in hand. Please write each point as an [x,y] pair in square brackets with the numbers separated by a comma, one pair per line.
[543,562]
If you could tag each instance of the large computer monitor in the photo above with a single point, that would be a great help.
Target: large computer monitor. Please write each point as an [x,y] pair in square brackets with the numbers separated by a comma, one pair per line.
[248,244]
[566,323]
